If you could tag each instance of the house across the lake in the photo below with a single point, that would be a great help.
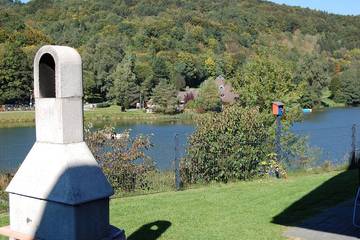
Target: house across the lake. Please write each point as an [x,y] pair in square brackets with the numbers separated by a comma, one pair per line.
[187,95]
[225,92]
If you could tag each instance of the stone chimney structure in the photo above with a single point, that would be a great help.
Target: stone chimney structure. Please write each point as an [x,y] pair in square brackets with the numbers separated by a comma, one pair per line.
[59,191]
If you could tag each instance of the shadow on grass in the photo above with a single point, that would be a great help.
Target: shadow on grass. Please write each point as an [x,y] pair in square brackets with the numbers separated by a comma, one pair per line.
[337,220]
[150,231]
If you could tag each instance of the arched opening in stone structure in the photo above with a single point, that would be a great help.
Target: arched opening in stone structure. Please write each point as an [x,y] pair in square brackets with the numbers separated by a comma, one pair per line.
[47,76]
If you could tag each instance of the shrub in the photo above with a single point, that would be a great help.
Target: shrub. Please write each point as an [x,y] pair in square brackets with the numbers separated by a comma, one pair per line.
[190,104]
[165,98]
[227,145]
[4,181]
[121,157]
[188,97]
[208,98]
[297,152]
[272,167]
[103,105]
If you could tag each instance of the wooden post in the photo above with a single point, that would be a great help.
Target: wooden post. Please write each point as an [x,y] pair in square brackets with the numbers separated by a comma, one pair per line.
[278,110]
[278,138]
[353,144]
[177,163]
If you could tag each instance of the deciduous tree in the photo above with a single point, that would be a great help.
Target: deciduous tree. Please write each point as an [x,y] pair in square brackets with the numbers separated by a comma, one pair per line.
[125,91]
[313,71]
[209,97]
[15,76]
[165,97]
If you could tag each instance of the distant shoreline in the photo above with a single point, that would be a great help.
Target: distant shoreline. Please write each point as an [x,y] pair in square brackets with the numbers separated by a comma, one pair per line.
[112,115]
[99,116]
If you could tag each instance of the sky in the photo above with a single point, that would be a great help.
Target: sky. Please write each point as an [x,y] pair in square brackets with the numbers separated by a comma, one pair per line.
[344,7]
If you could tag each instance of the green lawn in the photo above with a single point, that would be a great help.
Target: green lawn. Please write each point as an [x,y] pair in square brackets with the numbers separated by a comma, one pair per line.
[16,118]
[113,113]
[241,210]
[98,115]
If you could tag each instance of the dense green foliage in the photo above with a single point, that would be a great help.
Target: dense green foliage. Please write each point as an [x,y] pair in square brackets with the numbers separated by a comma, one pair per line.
[313,71]
[182,41]
[228,145]
[265,79]
[15,75]
[124,91]
[208,98]
[164,97]
[238,143]
[347,85]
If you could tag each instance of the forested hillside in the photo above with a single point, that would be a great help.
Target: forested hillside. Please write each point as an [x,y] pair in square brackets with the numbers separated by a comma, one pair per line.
[129,47]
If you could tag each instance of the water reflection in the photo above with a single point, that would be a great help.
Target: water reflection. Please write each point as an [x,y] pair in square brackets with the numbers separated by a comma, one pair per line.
[328,129]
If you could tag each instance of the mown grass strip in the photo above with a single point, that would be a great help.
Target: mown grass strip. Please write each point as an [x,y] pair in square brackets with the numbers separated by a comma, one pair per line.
[259,209]
[98,116]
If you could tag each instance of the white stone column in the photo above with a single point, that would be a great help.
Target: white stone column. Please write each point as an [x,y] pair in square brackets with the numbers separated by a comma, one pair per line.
[59,191]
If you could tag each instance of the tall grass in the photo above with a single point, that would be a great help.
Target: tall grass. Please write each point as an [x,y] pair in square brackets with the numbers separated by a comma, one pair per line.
[159,181]
[4,181]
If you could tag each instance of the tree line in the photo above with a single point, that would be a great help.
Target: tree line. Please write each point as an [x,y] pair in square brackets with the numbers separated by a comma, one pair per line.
[132,48]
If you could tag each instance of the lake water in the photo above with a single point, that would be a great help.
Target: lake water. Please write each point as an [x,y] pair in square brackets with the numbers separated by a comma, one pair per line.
[15,143]
[328,130]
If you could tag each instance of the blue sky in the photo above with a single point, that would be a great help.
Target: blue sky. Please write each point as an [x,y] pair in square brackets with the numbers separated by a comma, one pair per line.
[345,7]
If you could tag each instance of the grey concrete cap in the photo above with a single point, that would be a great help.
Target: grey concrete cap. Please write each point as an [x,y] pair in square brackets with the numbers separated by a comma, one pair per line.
[65,64]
